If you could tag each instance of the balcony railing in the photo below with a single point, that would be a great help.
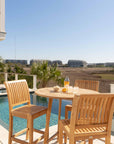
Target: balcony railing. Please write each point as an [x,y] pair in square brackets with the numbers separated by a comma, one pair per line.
[15,76]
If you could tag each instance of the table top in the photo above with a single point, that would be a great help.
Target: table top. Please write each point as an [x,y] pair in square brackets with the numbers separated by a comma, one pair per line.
[50,93]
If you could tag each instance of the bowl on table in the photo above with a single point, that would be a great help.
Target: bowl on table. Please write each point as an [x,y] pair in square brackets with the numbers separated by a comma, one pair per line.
[56,88]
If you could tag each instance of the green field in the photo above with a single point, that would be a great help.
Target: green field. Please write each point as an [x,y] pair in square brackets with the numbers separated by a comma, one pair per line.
[106,76]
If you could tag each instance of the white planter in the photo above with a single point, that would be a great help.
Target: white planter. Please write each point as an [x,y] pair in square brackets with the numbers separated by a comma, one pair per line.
[112,126]
[111,88]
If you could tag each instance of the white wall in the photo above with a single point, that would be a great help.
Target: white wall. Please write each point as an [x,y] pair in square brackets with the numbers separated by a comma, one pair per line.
[2,20]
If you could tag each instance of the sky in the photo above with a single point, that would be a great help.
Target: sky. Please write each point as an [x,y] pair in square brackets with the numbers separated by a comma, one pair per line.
[59,30]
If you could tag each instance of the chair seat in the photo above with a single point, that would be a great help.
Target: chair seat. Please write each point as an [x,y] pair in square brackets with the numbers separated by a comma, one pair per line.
[26,110]
[85,130]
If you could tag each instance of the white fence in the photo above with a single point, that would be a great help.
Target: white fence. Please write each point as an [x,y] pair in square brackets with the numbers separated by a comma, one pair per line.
[16,78]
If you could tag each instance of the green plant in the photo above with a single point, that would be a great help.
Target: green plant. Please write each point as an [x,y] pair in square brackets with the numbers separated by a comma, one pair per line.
[2,67]
[28,78]
[19,69]
[2,78]
[46,73]
[8,67]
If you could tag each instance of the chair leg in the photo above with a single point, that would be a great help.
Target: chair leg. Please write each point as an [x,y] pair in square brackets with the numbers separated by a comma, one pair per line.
[30,121]
[83,142]
[27,133]
[71,140]
[60,134]
[46,135]
[65,138]
[66,117]
[107,140]
[10,129]
[90,141]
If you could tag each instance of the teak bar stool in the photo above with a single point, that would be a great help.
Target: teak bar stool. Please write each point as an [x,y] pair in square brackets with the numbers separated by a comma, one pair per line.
[91,118]
[86,84]
[18,94]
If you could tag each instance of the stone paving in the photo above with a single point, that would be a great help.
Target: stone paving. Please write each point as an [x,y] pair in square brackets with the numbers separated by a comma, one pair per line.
[4,137]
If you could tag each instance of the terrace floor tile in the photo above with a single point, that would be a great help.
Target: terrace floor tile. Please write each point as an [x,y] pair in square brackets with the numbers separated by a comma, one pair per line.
[4,137]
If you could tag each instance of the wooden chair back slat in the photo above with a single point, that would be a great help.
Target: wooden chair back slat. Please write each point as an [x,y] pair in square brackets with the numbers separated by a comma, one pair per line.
[92,109]
[87,84]
[99,110]
[103,110]
[18,92]
[107,110]
[96,110]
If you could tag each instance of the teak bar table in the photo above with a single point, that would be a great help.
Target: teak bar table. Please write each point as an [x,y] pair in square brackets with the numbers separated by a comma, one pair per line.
[51,94]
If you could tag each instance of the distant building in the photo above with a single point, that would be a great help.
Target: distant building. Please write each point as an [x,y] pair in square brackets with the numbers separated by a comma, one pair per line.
[96,64]
[23,62]
[77,63]
[57,62]
[40,61]
[109,64]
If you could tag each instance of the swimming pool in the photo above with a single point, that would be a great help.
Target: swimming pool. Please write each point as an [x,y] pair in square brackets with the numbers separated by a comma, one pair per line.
[39,123]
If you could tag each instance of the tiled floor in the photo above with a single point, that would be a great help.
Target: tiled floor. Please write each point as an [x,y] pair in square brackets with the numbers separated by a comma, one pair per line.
[4,136]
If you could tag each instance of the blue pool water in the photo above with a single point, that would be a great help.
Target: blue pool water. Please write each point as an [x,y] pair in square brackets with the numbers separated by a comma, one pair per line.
[39,123]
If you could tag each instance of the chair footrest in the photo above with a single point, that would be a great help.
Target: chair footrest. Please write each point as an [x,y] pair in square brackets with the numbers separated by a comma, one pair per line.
[20,132]
[38,140]
[39,131]
[18,140]
[24,142]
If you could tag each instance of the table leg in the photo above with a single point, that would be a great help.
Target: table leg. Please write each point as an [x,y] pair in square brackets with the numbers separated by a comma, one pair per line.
[46,136]
[59,116]
[59,113]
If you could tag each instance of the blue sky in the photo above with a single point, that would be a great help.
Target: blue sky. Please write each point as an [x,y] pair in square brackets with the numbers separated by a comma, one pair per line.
[59,29]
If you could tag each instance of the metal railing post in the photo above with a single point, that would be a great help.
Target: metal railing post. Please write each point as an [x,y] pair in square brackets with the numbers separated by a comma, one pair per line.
[16,76]
[34,82]
[34,99]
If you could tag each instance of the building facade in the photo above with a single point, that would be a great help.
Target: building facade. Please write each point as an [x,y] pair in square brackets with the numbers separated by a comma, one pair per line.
[23,62]
[77,63]
[109,64]
[2,20]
